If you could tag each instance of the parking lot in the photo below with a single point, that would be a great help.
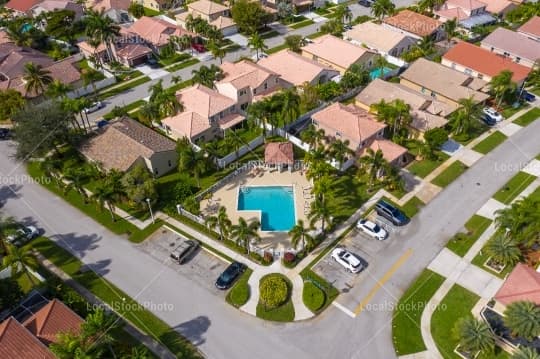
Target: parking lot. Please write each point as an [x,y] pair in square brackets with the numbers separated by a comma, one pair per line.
[201,266]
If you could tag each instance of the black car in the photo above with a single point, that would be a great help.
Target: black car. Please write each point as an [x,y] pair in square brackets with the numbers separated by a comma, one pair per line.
[391,213]
[5,133]
[153,63]
[229,275]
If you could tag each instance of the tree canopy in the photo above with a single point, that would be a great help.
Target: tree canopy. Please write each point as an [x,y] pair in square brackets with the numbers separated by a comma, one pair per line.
[249,15]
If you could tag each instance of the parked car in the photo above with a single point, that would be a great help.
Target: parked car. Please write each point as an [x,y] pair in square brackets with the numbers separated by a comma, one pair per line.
[366,3]
[527,96]
[184,250]
[488,120]
[261,55]
[23,235]
[372,229]
[491,112]
[5,133]
[199,47]
[94,107]
[307,40]
[391,213]
[153,63]
[348,260]
[230,275]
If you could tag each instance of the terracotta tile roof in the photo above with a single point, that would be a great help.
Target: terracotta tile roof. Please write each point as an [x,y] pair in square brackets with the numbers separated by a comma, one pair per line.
[514,43]
[413,22]
[485,61]
[156,31]
[466,4]
[204,101]
[53,318]
[277,153]
[523,283]
[13,58]
[376,36]
[133,51]
[120,144]
[336,51]
[21,5]
[391,151]
[109,4]
[207,7]
[245,74]
[52,5]
[531,27]
[455,13]
[498,6]
[188,123]
[85,46]
[223,22]
[445,81]
[353,123]
[294,68]
[230,120]
[16,342]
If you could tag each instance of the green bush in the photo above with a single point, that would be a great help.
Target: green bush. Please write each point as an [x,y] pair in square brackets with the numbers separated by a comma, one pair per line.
[273,291]
[313,297]
[239,294]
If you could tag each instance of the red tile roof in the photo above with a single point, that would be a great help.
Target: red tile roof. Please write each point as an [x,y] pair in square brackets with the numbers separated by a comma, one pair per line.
[413,22]
[21,5]
[16,342]
[531,27]
[485,61]
[523,283]
[277,153]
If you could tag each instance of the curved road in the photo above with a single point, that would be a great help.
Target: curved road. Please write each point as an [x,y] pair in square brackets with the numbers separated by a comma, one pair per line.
[223,332]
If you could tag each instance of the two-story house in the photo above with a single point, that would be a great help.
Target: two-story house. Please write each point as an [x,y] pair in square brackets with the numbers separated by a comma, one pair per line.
[214,13]
[520,48]
[468,13]
[415,25]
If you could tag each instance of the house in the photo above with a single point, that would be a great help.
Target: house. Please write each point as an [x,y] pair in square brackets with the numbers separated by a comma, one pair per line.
[531,28]
[360,128]
[53,5]
[156,32]
[468,13]
[116,10]
[442,83]
[415,25]
[214,13]
[337,53]
[21,7]
[31,338]
[300,6]
[126,143]
[245,82]
[226,25]
[157,5]
[12,64]
[481,63]
[523,283]
[426,112]
[521,49]
[380,39]
[207,114]
[295,70]
[499,8]
[279,154]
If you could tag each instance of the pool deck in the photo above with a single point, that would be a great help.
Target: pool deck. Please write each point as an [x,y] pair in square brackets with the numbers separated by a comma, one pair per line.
[227,196]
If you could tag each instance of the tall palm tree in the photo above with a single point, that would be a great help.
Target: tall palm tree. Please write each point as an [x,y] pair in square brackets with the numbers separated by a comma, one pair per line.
[193,162]
[525,353]
[343,13]
[450,28]
[523,319]
[220,221]
[36,78]
[320,212]
[97,328]
[322,187]
[502,84]
[521,221]
[312,136]
[259,113]
[76,179]
[474,335]
[300,233]
[382,8]
[374,162]
[463,118]
[101,27]
[217,51]
[149,113]
[429,5]
[90,77]
[185,42]
[340,151]
[19,260]
[289,101]
[256,42]
[108,192]
[503,250]
[244,232]
[207,75]
[58,89]
[381,64]
[137,353]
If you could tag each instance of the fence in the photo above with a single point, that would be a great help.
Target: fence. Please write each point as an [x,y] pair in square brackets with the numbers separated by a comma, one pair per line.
[85,90]
[233,156]
[190,215]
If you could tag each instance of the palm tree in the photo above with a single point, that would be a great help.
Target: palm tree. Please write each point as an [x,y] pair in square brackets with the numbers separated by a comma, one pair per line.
[96,330]
[523,319]
[90,77]
[221,221]
[503,250]
[429,5]
[300,233]
[525,353]
[19,260]
[137,353]
[382,8]
[108,192]
[57,89]
[36,78]
[322,186]
[103,29]
[256,42]
[175,79]
[320,212]
[474,335]
[374,162]
[340,151]
[193,162]
[462,119]
[217,51]
[207,75]
[289,101]
[244,232]
[164,101]
[450,27]
[312,136]
[502,84]
[343,13]
[185,42]
[149,113]
[520,221]
[259,113]
[7,225]
[76,179]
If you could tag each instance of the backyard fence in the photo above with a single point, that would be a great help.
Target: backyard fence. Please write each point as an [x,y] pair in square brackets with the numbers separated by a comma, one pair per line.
[233,156]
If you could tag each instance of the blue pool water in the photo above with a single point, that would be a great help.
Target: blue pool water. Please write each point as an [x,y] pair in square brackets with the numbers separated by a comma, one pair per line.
[275,202]
[26,27]
[376,73]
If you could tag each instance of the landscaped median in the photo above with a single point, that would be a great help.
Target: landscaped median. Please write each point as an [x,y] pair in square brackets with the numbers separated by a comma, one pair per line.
[462,242]
[117,89]
[490,142]
[514,187]
[447,176]
[239,293]
[528,117]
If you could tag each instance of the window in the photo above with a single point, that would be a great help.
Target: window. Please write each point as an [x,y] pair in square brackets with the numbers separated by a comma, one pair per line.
[433,94]
[265,86]
[315,123]
[518,59]
[254,91]
[492,48]
[156,171]
[506,53]
[276,80]
[423,89]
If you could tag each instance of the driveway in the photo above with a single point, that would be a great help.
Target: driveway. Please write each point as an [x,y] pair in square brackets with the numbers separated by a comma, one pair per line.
[151,72]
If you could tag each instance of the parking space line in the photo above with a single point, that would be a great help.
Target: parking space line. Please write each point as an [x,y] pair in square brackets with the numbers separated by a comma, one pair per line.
[343,309]
[383,280]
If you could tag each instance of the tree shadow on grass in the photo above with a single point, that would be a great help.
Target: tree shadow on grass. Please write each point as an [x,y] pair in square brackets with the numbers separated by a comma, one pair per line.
[78,244]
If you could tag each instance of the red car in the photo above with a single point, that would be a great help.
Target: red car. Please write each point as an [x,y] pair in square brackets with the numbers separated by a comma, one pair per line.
[198,47]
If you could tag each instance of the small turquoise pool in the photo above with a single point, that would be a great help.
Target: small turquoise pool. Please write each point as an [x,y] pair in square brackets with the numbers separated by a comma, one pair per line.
[376,73]
[26,27]
[276,204]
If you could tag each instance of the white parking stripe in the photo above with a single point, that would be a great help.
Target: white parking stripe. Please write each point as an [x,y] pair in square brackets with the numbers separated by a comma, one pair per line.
[343,309]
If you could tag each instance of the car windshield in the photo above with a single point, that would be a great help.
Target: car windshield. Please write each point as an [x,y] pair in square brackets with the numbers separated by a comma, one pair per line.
[376,228]
[229,273]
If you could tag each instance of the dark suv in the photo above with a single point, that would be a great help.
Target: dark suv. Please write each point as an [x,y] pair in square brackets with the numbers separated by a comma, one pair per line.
[391,213]
[183,251]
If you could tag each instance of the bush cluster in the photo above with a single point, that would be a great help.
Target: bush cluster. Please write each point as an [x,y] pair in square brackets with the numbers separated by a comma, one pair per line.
[273,291]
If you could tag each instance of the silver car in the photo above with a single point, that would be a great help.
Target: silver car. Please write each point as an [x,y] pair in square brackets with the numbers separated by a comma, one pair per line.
[348,260]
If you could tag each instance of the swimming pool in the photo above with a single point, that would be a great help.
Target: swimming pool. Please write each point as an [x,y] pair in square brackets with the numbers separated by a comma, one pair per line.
[276,204]
[376,73]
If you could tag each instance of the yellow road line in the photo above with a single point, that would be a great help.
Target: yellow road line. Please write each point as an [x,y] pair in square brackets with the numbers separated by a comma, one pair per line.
[383,280]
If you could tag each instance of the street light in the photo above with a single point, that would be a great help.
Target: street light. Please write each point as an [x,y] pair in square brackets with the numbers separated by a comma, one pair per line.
[179,209]
[150,208]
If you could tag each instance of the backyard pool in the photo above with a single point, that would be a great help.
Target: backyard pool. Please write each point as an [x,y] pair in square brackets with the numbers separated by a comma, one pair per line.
[376,73]
[276,204]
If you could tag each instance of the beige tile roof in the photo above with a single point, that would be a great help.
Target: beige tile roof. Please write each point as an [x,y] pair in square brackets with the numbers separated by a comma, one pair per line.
[391,151]
[245,74]
[133,51]
[187,123]
[353,123]
[204,101]
[85,46]
[531,27]
[156,31]
[230,120]
[121,143]
[443,80]
[223,22]
[455,13]
[514,43]
[108,4]
[207,7]
[16,342]
[294,68]
[498,6]
[423,120]
[466,4]
[413,22]
[376,36]
[277,153]
[335,50]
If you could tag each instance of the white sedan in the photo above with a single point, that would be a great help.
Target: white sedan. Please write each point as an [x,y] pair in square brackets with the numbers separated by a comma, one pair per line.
[491,112]
[23,235]
[94,107]
[372,229]
[348,260]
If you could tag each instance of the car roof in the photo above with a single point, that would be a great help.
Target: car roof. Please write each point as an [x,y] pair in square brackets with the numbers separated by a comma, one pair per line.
[351,258]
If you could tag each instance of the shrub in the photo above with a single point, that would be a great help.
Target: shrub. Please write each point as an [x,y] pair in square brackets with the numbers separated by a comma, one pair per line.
[313,297]
[289,257]
[268,258]
[273,291]
[256,257]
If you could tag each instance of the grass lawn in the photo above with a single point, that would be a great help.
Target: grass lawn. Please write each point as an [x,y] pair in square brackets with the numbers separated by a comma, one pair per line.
[330,292]
[321,11]
[528,117]
[490,142]
[151,12]
[476,130]
[276,49]
[107,292]
[182,65]
[239,293]
[283,313]
[406,331]
[348,193]
[127,75]
[511,111]
[176,57]
[474,227]
[449,174]
[412,206]
[315,35]
[482,257]
[424,167]
[299,25]
[242,137]
[514,187]
[128,108]
[269,34]
[119,89]
[457,304]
